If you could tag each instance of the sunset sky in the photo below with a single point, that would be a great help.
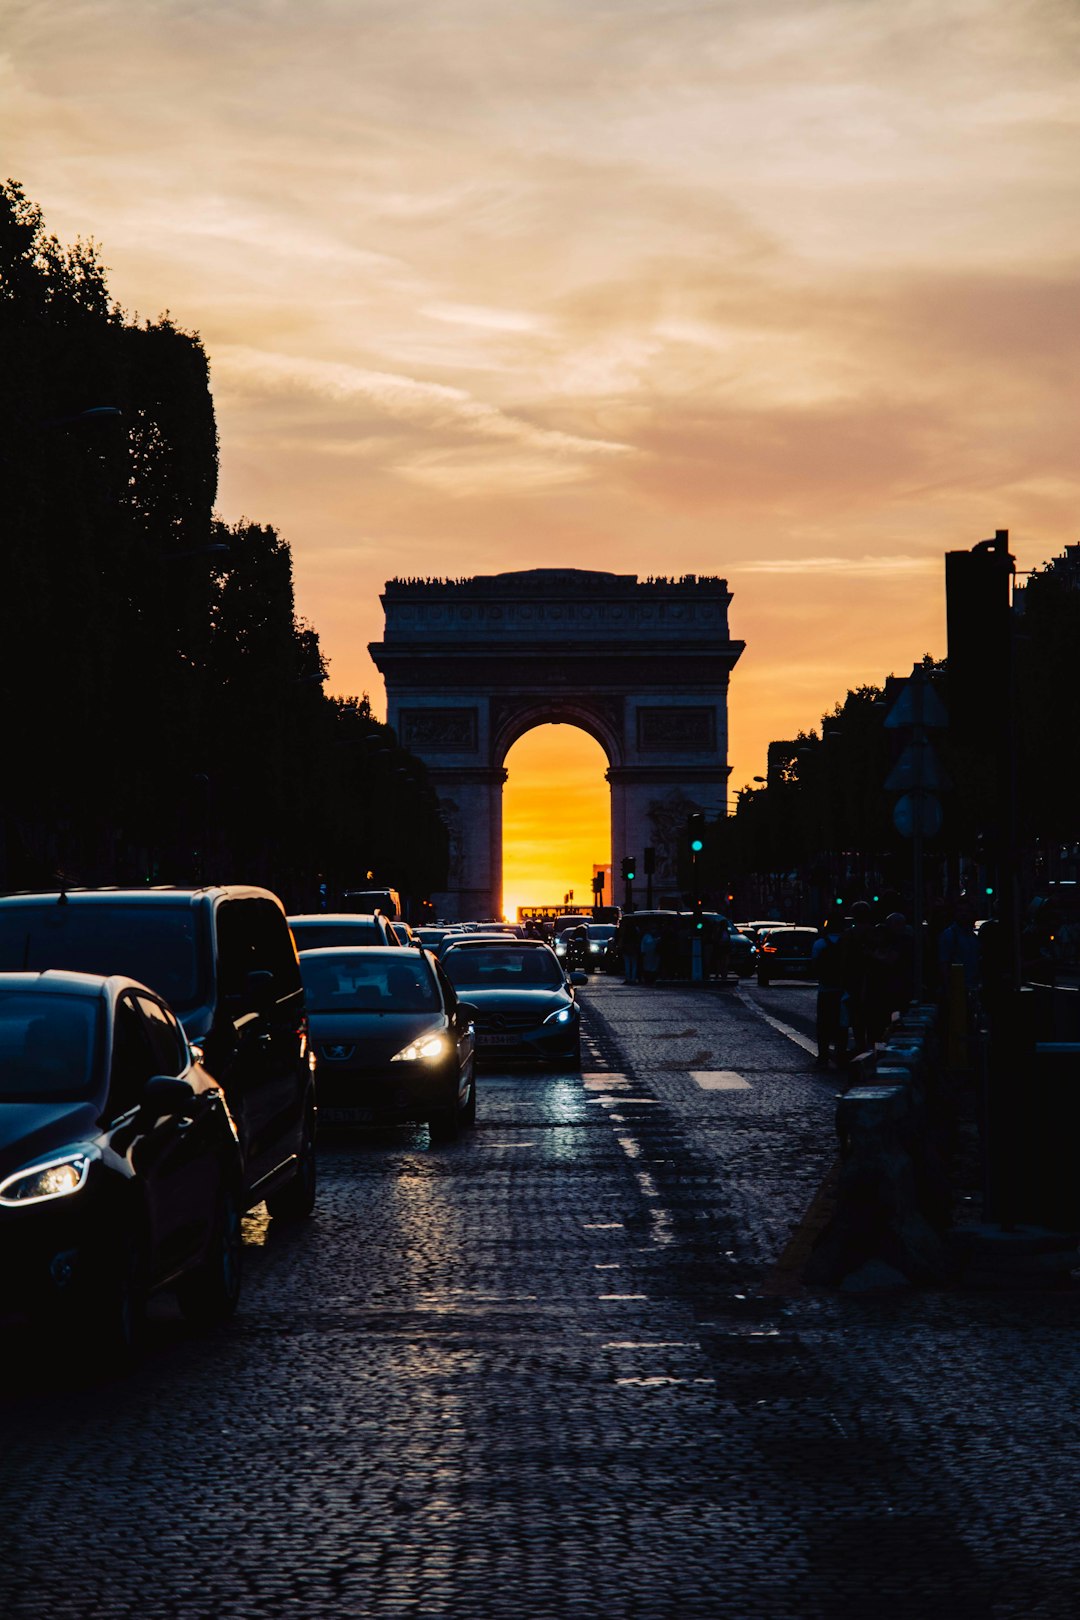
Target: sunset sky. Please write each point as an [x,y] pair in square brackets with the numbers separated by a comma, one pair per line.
[784,290]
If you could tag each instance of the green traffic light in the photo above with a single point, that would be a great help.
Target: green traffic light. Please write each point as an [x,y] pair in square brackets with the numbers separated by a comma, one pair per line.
[989,888]
[696,845]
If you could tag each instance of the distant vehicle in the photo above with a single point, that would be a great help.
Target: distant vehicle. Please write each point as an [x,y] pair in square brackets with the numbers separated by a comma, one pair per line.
[525,1003]
[742,953]
[120,1166]
[316,929]
[754,930]
[388,901]
[785,953]
[391,1039]
[223,958]
[431,935]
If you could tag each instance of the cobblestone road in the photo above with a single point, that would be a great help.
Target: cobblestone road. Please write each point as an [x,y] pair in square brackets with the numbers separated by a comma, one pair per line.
[561,1368]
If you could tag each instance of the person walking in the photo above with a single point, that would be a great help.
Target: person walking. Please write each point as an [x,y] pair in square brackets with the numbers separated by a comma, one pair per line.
[650,954]
[857,951]
[630,945]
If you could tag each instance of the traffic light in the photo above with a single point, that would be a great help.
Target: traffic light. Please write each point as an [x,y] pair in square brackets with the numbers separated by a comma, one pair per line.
[695,830]
[699,920]
[628,868]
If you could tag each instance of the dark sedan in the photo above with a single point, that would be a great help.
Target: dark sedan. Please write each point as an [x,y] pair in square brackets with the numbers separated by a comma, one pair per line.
[786,953]
[120,1168]
[525,1004]
[392,1042]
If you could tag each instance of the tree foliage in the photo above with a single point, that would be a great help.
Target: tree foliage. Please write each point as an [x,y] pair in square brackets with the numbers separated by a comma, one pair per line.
[165,710]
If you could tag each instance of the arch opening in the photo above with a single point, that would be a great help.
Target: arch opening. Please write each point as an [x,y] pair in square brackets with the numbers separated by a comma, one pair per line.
[556,816]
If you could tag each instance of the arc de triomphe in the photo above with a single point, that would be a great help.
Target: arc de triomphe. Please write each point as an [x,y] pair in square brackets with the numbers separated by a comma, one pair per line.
[642,665]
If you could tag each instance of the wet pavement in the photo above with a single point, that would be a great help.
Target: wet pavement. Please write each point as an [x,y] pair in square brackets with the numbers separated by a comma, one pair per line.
[565,1367]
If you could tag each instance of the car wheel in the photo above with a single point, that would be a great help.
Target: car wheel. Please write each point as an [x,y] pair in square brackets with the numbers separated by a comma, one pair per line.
[210,1293]
[296,1199]
[116,1311]
[763,980]
[467,1115]
[444,1124]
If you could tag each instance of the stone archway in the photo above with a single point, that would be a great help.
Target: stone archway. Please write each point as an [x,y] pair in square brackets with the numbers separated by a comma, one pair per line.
[471,665]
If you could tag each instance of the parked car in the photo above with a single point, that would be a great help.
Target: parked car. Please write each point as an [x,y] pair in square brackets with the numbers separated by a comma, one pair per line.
[785,953]
[120,1165]
[391,1039]
[224,960]
[524,1002]
[317,929]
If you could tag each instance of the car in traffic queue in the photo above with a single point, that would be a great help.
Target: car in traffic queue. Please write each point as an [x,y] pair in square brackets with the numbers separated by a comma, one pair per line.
[742,953]
[314,929]
[223,959]
[786,953]
[120,1164]
[523,999]
[392,1042]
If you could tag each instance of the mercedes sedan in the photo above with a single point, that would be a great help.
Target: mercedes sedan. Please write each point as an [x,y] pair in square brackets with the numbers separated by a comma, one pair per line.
[524,1002]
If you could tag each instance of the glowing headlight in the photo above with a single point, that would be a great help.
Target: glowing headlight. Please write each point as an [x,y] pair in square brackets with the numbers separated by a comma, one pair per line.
[428,1046]
[563,1016]
[56,1178]
[595,947]
[560,948]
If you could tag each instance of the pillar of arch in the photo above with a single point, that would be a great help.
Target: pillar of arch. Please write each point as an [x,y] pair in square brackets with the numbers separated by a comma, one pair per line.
[471,665]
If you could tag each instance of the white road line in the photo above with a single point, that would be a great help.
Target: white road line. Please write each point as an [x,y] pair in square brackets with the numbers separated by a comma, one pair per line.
[795,1035]
[719,1080]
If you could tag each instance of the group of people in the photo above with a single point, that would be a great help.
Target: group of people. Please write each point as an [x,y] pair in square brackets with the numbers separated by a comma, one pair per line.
[654,948]
[865,975]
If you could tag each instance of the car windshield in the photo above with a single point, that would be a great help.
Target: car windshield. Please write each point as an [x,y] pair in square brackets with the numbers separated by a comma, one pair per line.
[366,981]
[47,1045]
[600,931]
[160,945]
[314,936]
[489,967]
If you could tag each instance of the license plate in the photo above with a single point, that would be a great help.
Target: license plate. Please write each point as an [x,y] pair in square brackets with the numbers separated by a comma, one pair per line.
[346,1116]
[497,1040]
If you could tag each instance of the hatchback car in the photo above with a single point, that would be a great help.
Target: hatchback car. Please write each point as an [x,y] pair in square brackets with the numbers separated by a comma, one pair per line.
[120,1165]
[392,1042]
[223,959]
[524,1002]
[786,953]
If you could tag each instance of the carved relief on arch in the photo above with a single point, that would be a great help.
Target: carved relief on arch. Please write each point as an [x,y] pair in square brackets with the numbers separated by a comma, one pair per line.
[602,717]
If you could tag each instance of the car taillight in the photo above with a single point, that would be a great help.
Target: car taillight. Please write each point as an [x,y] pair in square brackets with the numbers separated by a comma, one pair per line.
[769,950]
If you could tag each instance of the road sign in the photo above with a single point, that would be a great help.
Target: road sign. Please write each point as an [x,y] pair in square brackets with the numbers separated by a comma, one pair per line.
[917,815]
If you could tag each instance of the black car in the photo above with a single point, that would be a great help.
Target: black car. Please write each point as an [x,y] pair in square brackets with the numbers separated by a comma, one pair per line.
[524,1001]
[224,960]
[391,1040]
[120,1166]
[785,953]
[318,929]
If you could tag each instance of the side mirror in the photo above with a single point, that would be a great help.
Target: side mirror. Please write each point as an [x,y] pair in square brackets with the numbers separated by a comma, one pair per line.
[577,977]
[164,1094]
[260,990]
[466,1012]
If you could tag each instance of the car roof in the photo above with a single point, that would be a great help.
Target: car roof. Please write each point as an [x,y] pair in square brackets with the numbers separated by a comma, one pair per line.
[160,894]
[62,981]
[507,941]
[367,953]
[335,917]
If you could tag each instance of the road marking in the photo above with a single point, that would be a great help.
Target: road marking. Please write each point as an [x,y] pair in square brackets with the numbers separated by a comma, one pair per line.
[795,1035]
[719,1080]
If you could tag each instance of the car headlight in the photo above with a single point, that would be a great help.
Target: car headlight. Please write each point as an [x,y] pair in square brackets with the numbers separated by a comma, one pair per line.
[560,949]
[595,947]
[428,1046]
[562,1016]
[53,1178]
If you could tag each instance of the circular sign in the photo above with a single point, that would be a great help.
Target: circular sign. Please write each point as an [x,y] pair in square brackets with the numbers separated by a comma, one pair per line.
[917,815]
